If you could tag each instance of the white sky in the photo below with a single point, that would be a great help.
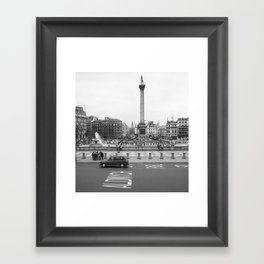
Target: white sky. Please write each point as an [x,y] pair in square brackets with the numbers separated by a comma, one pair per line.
[116,95]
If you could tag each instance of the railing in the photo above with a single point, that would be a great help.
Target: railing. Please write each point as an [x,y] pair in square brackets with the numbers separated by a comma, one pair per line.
[183,155]
[132,148]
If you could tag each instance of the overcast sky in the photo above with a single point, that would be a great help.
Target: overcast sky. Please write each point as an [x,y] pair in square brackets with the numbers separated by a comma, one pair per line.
[117,95]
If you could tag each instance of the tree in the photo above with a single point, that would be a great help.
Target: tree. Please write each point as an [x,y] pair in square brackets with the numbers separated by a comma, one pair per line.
[80,131]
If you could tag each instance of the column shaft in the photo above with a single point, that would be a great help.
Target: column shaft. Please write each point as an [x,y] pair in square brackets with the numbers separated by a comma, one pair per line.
[142,106]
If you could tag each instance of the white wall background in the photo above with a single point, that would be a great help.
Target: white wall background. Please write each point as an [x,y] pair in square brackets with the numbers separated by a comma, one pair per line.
[17,140]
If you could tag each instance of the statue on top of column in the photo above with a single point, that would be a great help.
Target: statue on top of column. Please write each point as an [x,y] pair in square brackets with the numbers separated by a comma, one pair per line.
[141,78]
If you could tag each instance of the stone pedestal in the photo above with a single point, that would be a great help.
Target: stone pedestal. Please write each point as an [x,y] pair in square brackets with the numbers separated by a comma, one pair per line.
[142,127]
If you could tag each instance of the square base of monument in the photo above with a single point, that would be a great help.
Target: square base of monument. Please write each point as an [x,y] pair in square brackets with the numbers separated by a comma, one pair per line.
[142,131]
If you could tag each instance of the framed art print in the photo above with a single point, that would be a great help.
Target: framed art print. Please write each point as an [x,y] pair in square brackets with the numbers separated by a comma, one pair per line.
[132,132]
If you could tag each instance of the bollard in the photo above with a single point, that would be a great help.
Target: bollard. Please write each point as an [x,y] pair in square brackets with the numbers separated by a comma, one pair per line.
[161,155]
[138,156]
[150,156]
[108,147]
[127,155]
[83,156]
[172,155]
[105,155]
[184,155]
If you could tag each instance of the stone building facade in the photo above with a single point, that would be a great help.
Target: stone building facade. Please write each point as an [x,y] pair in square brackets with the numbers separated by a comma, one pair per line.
[178,129]
[108,128]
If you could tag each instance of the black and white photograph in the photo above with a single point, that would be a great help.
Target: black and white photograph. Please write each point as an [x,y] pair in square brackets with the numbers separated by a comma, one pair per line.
[132,131]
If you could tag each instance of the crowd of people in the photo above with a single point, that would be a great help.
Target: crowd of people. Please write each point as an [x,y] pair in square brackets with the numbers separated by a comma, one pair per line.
[97,155]
[160,146]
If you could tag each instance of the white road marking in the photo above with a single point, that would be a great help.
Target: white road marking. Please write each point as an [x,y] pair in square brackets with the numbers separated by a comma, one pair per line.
[178,166]
[154,166]
[118,179]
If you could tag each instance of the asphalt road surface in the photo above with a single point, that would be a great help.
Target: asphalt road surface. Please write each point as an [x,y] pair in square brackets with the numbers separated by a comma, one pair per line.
[138,177]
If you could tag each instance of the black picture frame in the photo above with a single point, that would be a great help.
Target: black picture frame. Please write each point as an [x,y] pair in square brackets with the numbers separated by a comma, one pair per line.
[216,30]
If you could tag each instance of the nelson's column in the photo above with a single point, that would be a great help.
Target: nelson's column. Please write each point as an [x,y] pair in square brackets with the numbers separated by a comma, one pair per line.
[142,126]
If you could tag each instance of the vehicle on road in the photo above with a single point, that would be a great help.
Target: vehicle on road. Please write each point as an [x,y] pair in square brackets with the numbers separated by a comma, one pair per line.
[115,161]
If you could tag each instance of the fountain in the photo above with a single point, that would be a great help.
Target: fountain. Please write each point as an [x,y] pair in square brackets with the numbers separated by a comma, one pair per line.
[97,142]
[98,139]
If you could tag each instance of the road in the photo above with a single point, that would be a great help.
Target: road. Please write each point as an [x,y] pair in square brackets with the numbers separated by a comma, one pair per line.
[142,177]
